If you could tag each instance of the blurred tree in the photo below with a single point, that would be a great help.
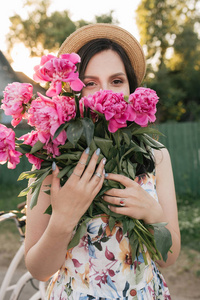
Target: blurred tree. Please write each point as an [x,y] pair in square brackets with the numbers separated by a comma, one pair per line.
[106,18]
[41,30]
[169,33]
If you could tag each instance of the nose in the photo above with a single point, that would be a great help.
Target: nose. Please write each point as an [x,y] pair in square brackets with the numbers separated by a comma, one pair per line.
[104,85]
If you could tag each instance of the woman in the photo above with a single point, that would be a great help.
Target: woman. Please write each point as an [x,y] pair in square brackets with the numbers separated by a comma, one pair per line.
[111,60]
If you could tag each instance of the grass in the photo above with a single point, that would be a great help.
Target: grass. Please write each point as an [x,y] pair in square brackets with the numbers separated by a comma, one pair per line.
[189,221]
[8,201]
[9,197]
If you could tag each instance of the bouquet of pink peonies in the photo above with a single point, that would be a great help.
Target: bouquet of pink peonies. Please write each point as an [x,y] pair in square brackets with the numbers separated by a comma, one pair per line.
[65,124]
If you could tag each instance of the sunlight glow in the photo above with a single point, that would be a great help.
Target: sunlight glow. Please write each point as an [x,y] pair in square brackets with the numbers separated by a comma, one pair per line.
[22,62]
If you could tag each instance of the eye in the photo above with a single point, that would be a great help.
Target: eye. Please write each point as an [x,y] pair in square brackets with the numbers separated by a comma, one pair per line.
[90,83]
[117,81]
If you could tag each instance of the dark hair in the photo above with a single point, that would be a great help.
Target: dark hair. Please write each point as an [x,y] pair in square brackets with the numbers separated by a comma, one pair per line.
[98,45]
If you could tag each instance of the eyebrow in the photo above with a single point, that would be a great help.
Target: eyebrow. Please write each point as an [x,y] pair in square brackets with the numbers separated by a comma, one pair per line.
[113,75]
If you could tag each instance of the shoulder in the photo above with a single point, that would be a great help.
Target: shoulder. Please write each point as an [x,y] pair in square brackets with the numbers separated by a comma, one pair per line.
[162,156]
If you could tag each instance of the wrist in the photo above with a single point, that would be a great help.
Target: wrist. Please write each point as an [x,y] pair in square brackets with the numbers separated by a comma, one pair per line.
[61,224]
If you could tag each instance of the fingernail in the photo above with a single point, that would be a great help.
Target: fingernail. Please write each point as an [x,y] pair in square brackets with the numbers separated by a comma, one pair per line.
[106,175]
[87,150]
[104,160]
[98,151]
[53,166]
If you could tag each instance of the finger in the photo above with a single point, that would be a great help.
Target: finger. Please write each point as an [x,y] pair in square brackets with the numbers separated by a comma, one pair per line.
[120,193]
[80,167]
[127,182]
[91,166]
[97,181]
[127,211]
[55,183]
[120,210]
[116,201]
[98,176]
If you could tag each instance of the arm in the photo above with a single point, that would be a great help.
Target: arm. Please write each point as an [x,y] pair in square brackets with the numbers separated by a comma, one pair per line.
[140,205]
[167,199]
[47,237]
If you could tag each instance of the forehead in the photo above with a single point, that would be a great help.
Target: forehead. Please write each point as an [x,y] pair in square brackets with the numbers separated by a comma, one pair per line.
[107,60]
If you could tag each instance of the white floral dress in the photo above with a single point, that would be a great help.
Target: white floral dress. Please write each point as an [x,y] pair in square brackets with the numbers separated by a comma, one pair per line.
[101,266]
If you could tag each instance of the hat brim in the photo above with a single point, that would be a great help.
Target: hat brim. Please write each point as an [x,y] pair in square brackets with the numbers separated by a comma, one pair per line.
[128,42]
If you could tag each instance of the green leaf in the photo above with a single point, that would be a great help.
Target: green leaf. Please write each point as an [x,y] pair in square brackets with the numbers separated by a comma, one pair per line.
[34,196]
[77,106]
[130,152]
[31,174]
[133,243]
[81,231]
[24,192]
[59,130]
[38,145]
[69,156]
[138,148]
[74,131]
[104,144]
[130,224]
[67,94]
[154,143]
[111,223]
[111,165]
[163,239]
[64,171]
[90,210]
[67,145]
[112,153]
[126,132]
[113,184]
[144,130]
[131,170]
[23,148]
[126,98]
[139,157]
[48,192]
[88,129]
[125,226]
[48,211]
[36,185]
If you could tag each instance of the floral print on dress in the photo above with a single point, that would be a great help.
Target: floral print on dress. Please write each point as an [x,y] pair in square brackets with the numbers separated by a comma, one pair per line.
[101,265]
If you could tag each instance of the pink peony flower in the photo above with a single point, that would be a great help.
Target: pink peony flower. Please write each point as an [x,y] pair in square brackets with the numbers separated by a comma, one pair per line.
[16,95]
[7,147]
[111,105]
[34,160]
[58,70]
[31,139]
[46,115]
[143,105]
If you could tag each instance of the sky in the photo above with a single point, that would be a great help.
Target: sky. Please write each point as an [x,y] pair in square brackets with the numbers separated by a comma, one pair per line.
[78,9]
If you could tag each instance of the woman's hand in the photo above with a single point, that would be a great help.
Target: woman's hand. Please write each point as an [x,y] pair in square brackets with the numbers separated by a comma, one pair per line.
[133,201]
[72,200]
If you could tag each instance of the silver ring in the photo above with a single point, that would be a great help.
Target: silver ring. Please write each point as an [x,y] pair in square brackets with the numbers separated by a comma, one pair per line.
[122,202]
[82,163]
[98,174]
[76,174]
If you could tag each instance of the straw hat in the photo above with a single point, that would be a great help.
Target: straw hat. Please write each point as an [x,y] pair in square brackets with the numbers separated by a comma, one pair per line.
[81,36]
